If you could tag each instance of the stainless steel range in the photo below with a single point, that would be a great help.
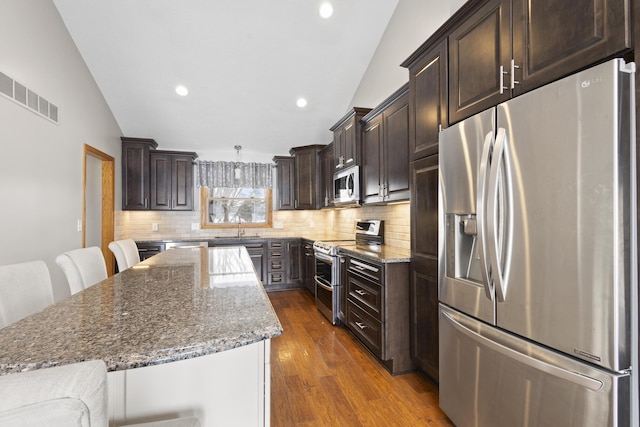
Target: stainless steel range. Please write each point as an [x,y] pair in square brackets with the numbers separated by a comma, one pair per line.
[327,278]
[328,262]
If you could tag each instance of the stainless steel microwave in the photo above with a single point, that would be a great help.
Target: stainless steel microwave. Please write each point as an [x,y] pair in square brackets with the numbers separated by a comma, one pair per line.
[346,187]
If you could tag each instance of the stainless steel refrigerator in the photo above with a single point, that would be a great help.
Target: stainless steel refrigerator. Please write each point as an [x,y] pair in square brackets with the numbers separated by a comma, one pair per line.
[538,257]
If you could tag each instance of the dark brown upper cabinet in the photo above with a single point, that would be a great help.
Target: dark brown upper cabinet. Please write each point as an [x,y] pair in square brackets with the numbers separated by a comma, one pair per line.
[285,183]
[325,159]
[135,172]
[428,93]
[503,48]
[346,138]
[307,177]
[479,58]
[171,182]
[385,150]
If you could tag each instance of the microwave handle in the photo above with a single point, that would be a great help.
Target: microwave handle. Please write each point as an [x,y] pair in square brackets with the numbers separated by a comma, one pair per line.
[350,185]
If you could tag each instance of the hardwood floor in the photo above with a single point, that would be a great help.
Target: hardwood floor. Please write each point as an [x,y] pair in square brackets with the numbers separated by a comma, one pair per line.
[322,376]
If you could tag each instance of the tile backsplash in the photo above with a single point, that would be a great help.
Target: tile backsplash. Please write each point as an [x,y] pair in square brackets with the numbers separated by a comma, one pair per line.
[337,223]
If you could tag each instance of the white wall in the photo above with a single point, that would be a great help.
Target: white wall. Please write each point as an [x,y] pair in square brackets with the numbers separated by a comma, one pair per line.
[41,162]
[411,25]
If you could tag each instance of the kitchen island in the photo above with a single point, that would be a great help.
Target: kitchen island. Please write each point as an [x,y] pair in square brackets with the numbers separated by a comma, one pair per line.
[186,332]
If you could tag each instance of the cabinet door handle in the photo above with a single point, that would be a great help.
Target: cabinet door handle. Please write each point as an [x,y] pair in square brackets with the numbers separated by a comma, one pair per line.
[514,82]
[502,86]
[361,325]
[145,203]
[360,292]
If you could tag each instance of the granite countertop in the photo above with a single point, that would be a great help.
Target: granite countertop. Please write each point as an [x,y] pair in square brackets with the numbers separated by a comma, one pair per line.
[241,239]
[384,253]
[180,304]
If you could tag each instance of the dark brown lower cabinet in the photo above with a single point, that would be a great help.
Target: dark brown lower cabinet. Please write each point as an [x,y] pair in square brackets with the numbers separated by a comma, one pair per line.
[295,265]
[424,265]
[424,316]
[309,266]
[257,252]
[377,309]
[284,264]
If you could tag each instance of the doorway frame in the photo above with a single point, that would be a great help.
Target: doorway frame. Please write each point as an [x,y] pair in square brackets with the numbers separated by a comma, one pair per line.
[108,204]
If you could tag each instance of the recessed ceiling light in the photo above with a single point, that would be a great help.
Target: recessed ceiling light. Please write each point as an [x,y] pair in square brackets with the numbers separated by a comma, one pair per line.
[182,91]
[301,102]
[326,10]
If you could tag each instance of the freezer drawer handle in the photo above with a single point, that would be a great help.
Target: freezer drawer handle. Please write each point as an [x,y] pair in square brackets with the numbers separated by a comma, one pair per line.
[574,377]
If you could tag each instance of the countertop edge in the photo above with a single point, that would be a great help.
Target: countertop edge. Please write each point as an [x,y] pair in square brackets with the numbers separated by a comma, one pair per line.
[131,361]
[382,257]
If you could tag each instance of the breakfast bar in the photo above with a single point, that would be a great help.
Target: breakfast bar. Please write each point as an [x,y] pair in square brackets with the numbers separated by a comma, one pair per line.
[186,332]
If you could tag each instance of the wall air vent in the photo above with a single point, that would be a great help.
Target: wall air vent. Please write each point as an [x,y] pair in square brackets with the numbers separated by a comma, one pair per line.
[21,95]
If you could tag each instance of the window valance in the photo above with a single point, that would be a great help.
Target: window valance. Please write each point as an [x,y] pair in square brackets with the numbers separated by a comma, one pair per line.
[233,174]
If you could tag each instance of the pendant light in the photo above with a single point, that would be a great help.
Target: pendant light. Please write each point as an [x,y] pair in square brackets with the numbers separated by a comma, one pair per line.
[237,171]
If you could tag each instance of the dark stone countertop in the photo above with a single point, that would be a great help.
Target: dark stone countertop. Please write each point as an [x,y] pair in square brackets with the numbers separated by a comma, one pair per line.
[180,304]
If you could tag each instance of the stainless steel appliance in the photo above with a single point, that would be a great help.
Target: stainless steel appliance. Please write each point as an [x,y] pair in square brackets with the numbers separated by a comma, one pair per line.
[327,278]
[538,272]
[346,187]
[329,263]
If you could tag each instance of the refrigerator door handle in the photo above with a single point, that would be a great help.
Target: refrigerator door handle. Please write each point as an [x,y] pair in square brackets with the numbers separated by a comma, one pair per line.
[500,216]
[574,377]
[481,217]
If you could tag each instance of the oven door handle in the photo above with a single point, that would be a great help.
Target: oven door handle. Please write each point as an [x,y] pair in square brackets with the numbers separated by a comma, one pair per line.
[323,257]
[321,283]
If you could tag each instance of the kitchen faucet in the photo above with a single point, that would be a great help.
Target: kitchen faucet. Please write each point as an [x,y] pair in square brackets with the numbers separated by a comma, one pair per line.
[240,232]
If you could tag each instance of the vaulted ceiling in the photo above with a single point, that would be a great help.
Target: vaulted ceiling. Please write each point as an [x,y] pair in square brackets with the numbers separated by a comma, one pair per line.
[244,62]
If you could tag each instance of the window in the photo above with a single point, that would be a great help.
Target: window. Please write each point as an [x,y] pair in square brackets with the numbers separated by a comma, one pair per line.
[228,207]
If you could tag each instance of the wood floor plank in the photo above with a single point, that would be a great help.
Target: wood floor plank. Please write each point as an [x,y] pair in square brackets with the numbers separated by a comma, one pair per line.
[321,375]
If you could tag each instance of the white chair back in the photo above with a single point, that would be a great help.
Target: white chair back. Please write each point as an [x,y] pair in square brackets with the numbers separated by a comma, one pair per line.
[83,267]
[68,395]
[25,288]
[126,253]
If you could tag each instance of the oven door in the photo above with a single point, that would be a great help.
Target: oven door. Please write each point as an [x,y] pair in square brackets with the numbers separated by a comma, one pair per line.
[324,284]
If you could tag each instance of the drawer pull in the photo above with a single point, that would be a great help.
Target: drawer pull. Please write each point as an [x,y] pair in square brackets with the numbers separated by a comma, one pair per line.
[360,292]
[361,266]
[361,325]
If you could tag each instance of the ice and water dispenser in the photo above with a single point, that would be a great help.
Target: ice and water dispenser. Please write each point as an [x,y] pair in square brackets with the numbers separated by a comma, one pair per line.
[462,247]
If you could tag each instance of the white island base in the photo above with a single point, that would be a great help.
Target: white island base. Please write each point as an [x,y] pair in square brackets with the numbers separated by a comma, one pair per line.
[230,388]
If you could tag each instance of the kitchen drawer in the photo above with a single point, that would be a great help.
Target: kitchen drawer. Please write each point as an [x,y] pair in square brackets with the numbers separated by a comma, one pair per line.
[276,278]
[367,329]
[276,264]
[276,253]
[369,269]
[147,250]
[254,246]
[367,294]
[276,244]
